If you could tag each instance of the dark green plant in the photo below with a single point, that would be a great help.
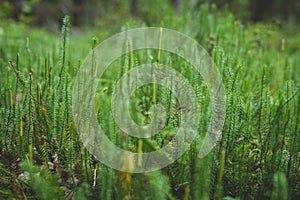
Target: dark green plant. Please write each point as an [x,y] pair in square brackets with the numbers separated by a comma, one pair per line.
[258,64]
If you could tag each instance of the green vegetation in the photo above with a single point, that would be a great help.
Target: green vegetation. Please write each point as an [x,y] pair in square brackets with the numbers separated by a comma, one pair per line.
[258,156]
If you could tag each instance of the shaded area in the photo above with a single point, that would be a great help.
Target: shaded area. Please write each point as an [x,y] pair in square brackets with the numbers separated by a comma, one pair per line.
[94,12]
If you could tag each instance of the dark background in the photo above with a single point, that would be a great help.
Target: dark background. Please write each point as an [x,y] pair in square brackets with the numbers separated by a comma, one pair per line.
[104,13]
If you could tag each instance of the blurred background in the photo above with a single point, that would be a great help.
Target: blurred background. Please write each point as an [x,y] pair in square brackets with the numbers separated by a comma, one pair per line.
[113,13]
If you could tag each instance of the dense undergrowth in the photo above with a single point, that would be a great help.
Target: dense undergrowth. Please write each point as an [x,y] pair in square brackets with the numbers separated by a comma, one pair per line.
[258,156]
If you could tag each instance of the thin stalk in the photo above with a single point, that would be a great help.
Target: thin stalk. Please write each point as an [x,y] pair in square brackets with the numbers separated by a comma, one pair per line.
[157,61]
[29,139]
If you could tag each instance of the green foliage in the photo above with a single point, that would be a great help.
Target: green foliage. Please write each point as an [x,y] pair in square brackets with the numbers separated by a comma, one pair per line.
[83,192]
[158,186]
[257,157]
[42,181]
[280,187]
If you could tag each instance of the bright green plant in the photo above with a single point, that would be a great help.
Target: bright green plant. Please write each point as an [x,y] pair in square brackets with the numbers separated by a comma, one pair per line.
[257,157]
